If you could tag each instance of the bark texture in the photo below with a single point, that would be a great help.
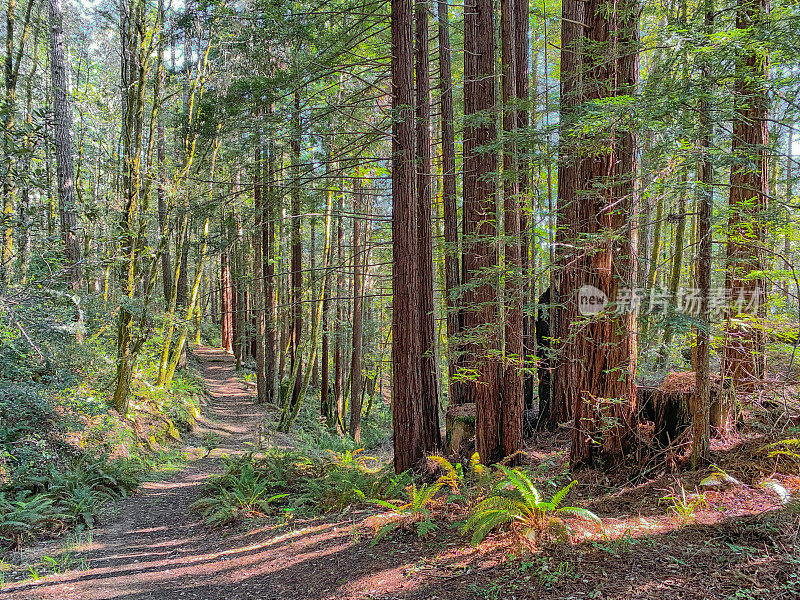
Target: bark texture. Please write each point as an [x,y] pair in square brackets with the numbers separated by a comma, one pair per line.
[409,444]
[62,143]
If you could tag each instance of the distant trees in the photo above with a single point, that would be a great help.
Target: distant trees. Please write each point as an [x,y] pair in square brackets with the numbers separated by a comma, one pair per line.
[193,171]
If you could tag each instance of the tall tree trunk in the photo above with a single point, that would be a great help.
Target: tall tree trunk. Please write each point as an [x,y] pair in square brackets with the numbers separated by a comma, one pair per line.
[744,357]
[522,84]
[182,269]
[480,226]
[358,314]
[270,300]
[409,443]
[163,216]
[429,379]
[13,60]
[297,257]
[262,384]
[452,268]
[24,231]
[338,360]
[597,211]
[327,400]
[133,85]
[226,288]
[788,195]
[700,405]
[513,402]
[62,142]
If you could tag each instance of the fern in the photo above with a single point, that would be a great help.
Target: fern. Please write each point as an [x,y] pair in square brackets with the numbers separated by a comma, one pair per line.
[23,515]
[414,513]
[453,476]
[240,491]
[685,506]
[789,448]
[516,500]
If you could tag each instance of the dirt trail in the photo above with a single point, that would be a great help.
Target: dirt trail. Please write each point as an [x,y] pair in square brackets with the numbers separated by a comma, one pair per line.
[155,541]
[156,548]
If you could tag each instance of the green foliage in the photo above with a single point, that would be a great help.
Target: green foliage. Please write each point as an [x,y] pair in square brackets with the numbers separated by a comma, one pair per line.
[516,501]
[414,513]
[64,498]
[312,435]
[616,546]
[789,448]
[23,515]
[453,475]
[684,506]
[298,481]
[235,495]
[345,479]
[480,474]
[184,400]
[57,430]
[551,573]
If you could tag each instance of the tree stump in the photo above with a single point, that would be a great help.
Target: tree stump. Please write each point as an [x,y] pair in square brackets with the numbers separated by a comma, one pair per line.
[460,423]
[667,405]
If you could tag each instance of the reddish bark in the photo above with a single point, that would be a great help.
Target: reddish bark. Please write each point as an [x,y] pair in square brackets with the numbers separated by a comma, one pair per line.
[406,408]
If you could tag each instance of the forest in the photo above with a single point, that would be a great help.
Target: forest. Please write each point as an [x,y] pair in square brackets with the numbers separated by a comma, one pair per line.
[400,300]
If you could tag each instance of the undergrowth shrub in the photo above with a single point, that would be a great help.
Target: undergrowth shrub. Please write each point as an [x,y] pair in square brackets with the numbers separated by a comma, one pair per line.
[297,482]
[22,515]
[65,497]
[349,478]
[310,431]
[233,497]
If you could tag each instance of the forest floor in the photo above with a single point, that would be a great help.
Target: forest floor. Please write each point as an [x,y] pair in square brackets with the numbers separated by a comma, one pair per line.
[741,542]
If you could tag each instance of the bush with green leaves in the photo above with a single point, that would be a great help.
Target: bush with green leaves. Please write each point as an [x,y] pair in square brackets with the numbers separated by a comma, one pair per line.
[66,495]
[298,482]
[514,501]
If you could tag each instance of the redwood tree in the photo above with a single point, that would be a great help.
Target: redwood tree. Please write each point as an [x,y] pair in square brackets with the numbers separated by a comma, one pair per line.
[596,220]
[481,335]
[744,361]
[409,444]
[429,381]
[452,269]
[512,405]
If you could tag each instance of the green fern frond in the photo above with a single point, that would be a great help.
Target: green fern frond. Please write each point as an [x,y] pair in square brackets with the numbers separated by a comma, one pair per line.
[522,483]
[384,531]
[581,513]
[561,494]
[452,476]
[487,522]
